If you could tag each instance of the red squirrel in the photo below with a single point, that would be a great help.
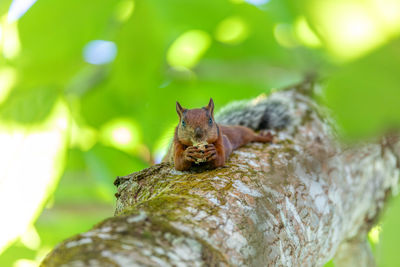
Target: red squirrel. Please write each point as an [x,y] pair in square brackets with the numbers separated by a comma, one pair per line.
[199,139]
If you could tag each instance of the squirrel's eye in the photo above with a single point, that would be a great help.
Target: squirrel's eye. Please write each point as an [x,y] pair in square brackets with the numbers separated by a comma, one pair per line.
[210,121]
[183,123]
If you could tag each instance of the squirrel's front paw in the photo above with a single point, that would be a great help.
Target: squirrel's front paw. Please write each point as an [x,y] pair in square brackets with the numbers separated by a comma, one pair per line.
[210,153]
[192,154]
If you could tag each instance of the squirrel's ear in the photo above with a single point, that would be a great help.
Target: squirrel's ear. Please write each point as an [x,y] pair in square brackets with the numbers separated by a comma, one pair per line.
[210,106]
[179,109]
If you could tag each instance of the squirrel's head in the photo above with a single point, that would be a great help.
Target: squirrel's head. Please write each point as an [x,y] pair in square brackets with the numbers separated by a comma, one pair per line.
[197,126]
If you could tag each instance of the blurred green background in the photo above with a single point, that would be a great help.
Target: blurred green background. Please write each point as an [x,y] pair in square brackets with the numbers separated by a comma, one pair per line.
[88,91]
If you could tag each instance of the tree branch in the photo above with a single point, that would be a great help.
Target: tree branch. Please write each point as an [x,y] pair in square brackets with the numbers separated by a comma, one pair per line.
[291,203]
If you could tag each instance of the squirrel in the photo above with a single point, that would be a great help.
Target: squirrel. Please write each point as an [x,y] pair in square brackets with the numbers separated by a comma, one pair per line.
[199,140]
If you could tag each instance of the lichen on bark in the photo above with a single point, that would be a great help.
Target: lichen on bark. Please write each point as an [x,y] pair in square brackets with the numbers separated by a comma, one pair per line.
[290,203]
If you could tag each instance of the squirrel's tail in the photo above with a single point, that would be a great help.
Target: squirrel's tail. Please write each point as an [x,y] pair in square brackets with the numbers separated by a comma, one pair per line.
[258,114]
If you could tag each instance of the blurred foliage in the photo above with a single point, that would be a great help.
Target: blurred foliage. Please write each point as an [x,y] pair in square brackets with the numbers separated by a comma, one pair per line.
[79,125]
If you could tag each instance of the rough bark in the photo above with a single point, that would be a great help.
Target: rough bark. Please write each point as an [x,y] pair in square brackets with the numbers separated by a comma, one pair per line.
[296,202]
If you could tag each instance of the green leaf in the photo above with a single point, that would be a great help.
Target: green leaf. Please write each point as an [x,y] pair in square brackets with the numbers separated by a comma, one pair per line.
[365,94]
[29,106]
[53,34]
[4,6]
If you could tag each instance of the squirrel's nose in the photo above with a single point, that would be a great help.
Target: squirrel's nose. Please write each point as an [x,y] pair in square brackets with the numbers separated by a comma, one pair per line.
[198,132]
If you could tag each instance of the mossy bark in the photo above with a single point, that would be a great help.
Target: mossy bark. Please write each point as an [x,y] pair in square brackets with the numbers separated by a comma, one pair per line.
[290,203]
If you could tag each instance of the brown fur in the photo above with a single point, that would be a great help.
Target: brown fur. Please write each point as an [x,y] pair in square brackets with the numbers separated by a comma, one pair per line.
[196,137]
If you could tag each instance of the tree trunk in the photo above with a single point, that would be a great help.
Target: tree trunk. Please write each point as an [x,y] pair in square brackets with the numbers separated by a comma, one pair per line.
[295,202]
